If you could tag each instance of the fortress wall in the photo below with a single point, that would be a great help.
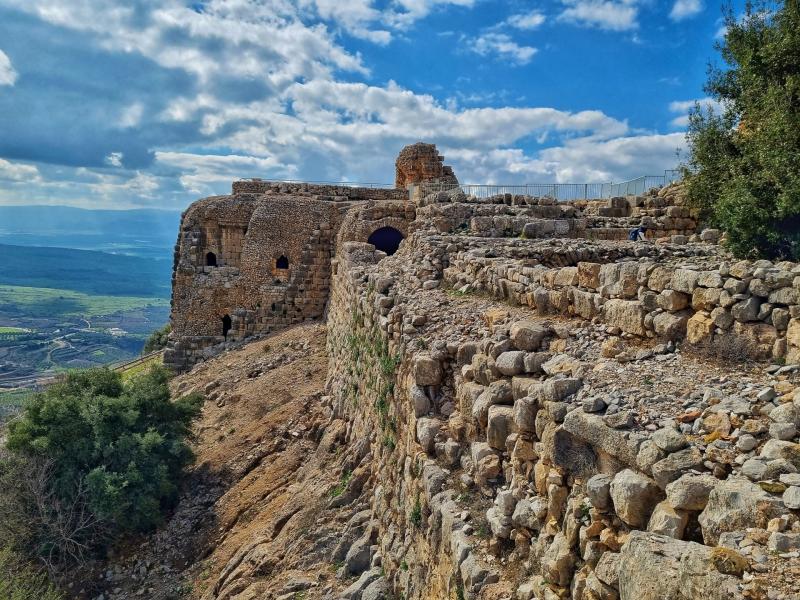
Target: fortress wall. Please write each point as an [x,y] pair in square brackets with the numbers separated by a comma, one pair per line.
[331,192]
[591,501]
[507,215]
[249,234]
[360,223]
[371,379]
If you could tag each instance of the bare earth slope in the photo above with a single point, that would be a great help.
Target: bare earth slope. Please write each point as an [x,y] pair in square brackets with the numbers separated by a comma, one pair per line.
[255,520]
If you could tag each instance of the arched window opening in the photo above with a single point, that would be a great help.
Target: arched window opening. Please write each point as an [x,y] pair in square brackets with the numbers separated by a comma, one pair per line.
[386,239]
[282,263]
[226,326]
[211,259]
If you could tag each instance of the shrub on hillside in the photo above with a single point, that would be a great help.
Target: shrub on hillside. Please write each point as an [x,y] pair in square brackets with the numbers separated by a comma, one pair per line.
[93,457]
[743,171]
[158,339]
[19,581]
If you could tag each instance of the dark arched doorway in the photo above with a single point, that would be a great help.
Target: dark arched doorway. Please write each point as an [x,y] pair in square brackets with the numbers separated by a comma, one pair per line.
[386,239]
[226,326]
[282,263]
[211,259]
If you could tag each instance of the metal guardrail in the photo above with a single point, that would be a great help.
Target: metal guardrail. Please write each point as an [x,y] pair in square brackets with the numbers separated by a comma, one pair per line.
[558,191]
[352,184]
[137,361]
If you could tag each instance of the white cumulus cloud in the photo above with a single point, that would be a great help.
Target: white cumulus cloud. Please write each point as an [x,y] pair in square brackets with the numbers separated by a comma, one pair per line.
[683,9]
[500,45]
[613,15]
[527,21]
[18,172]
[8,76]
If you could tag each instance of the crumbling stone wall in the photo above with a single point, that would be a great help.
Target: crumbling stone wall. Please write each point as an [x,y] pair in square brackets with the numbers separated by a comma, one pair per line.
[422,163]
[503,462]
[662,296]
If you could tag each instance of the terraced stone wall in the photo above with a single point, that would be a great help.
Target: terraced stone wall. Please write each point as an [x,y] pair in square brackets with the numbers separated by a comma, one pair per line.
[751,305]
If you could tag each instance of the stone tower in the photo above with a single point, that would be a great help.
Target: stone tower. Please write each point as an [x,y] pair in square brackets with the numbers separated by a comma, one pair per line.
[421,163]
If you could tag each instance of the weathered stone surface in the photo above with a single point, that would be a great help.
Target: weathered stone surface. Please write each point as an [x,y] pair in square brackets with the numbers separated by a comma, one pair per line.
[592,429]
[525,410]
[427,370]
[690,491]
[427,430]
[670,326]
[511,363]
[501,425]
[530,513]
[628,315]
[699,328]
[674,465]
[669,440]
[420,163]
[528,335]
[736,504]
[793,341]
[657,567]
[598,489]
[634,497]
[684,280]
[558,562]
[668,521]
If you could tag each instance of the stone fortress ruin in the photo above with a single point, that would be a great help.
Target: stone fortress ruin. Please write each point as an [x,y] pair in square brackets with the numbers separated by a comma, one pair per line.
[531,405]
[259,259]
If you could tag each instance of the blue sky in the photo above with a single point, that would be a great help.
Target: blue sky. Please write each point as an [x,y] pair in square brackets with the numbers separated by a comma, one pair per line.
[154,103]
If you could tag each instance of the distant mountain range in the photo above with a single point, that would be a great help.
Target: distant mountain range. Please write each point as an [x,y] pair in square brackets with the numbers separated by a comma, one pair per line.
[88,271]
[144,233]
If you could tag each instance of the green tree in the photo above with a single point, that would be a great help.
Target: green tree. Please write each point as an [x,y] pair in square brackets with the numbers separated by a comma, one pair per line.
[743,171]
[112,452]
[158,339]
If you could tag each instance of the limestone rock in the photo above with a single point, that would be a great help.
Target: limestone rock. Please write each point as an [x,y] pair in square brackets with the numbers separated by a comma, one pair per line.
[598,488]
[736,504]
[634,497]
[673,466]
[691,491]
[427,370]
[657,567]
[528,335]
[666,520]
[500,426]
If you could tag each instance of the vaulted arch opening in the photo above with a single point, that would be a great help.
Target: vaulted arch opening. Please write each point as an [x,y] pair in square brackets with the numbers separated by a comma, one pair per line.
[226,326]
[386,239]
[211,259]
[282,263]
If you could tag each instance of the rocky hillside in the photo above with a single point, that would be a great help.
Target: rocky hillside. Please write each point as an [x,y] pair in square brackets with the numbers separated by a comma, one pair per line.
[274,503]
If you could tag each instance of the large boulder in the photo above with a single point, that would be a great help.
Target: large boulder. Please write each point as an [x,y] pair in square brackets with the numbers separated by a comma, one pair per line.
[676,464]
[691,491]
[528,334]
[666,520]
[657,567]
[628,315]
[736,504]
[500,426]
[593,430]
[427,370]
[634,497]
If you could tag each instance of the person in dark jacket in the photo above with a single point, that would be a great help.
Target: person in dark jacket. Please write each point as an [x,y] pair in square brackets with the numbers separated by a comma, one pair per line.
[638,234]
